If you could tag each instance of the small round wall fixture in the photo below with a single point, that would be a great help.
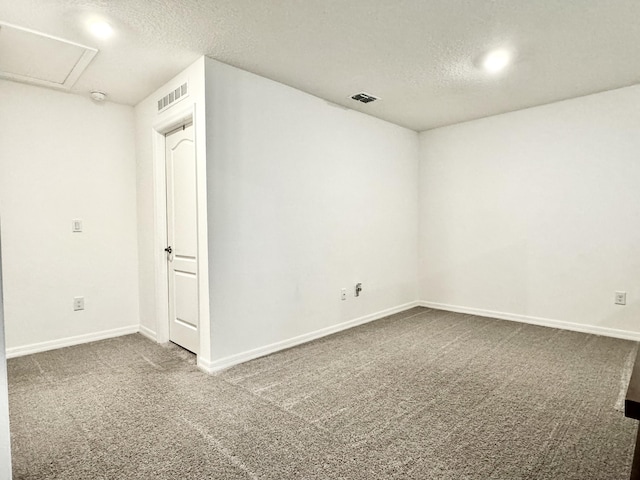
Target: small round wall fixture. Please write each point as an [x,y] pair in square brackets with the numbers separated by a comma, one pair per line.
[98,96]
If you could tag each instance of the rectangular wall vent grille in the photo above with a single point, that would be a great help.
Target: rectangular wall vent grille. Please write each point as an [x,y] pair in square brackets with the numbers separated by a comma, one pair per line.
[364,97]
[172,97]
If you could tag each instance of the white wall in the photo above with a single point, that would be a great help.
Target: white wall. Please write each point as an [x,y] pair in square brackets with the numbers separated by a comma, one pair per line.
[152,205]
[64,157]
[304,198]
[5,438]
[536,213]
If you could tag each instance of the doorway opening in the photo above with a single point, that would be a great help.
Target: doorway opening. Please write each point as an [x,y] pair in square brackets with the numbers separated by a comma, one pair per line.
[177,248]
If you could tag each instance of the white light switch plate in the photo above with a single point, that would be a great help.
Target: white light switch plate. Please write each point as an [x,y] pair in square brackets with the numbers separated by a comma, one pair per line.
[76,225]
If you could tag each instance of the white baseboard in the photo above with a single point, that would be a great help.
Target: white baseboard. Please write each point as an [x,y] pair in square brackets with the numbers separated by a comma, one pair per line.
[206,365]
[147,332]
[545,322]
[69,341]
[226,362]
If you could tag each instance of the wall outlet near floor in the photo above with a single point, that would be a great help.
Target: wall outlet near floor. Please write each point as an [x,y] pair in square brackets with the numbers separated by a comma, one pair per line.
[357,290]
[621,298]
[78,303]
[343,294]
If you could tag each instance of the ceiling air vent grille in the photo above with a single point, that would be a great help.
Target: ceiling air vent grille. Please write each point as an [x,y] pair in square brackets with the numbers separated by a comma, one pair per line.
[364,97]
[173,96]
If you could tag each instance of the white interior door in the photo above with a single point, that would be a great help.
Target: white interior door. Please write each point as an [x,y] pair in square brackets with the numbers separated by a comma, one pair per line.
[182,235]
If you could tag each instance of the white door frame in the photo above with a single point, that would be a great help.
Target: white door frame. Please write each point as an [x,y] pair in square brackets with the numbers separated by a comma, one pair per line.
[171,120]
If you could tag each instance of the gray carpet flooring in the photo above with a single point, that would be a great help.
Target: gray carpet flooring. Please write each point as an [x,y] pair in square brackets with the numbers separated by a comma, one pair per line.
[423,394]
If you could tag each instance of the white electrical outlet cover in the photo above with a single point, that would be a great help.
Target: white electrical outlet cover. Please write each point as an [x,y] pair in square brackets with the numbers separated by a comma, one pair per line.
[78,303]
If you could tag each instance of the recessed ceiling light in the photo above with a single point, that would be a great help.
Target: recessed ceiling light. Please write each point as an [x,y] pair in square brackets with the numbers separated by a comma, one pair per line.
[496,60]
[101,29]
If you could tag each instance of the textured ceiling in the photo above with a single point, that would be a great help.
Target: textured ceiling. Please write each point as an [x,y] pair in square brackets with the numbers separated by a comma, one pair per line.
[419,56]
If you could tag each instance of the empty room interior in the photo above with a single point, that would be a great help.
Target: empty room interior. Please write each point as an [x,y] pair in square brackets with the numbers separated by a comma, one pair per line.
[319,240]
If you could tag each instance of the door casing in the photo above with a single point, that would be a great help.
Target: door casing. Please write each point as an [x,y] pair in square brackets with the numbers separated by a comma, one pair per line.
[172,119]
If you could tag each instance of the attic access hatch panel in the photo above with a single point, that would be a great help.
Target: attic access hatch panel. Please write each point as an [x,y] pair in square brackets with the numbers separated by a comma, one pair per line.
[33,57]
